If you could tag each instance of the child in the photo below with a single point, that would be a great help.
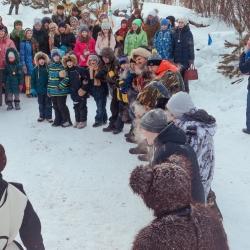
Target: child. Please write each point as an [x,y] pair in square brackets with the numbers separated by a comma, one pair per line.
[78,81]
[39,84]
[120,36]
[58,89]
[12,78]
[99,90]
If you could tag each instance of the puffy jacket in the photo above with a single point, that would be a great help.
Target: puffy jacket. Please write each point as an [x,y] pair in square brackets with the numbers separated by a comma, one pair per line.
[67,39]
[103,42]
[42,39]
[152,26]
[56,18]
[3,47]
[245,67]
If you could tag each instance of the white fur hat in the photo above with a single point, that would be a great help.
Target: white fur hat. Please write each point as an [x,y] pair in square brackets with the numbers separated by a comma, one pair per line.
[152,13]
[85,11]
[183,20]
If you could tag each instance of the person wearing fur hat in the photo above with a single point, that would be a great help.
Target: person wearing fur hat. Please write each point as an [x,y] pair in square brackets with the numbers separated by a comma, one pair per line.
[39,85]
[200,129]
[17,214]
[58,89]
[45,23]
[28,48]
[79,89]
[75,12]
[135,15]
[64,37]
[86,19]
[105,37]
[166,73]
[40,35]
[120,35]
[152,25]
[52,31]
[166,189]
[5,43]
[14,3]
[85,45]
[135,37]
[59,16]
[75,27]
[17,34]
[12,78]
[183,48]
[97,24]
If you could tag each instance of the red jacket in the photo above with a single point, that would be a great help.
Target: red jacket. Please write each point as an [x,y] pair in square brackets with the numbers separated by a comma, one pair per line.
[3,47]
[81,47]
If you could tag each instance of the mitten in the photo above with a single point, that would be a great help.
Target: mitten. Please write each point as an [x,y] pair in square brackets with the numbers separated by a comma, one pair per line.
[20,87]
[86,52]
[119,38]
[33,92]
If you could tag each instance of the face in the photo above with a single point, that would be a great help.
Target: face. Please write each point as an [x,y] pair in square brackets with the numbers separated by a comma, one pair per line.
[85,14]
[124,65]
[181,25]
[141,61]
[153,69]
[73,24]
[134,26]
[74,13]
[41,62]
[92,63]
[164,27]
[11,59]
[62,29]
[56,58]
[169,21]
[53,29]
[132,66]
[136,15]
[105,31]
[29,35]
[84,33]
[69,64]
[60,12]
[2,33]
[38,27]
[18,26]
[46,26]
[149,136]
[105,59]
[124,25]
[150,17]
[101,18]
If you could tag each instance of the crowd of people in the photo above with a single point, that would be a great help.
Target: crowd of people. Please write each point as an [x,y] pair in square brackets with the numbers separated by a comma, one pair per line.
[142,67]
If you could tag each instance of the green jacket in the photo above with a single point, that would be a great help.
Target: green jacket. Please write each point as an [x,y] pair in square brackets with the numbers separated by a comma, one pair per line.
[133,41]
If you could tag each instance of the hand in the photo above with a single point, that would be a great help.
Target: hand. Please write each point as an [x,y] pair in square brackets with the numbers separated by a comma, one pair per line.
[48,94]
[24,69]
[33,92]
[86,52]
[3,85]
[191,62]
[58,89]
[82,58]
[20,86]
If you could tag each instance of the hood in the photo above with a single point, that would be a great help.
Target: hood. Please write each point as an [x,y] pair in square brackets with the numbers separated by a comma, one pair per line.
[67,30]
[17,21]
[69,58]
[170,134]
[11,49]
[46,20]
[108,52]
[38,54]
[164,66]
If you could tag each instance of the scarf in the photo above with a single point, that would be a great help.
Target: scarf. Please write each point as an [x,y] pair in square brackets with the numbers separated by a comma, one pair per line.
[122,31]
[92,73]
[17,33]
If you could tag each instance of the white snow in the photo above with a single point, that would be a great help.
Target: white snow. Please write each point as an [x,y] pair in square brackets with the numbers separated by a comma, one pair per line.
[77,180]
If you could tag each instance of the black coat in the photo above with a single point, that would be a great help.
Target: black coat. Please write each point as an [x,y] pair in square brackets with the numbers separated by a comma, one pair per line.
[76,76]
[244,67]
[56,18]
[97,28]
[172,140]
[67,40]
[30,231]
[182,46]
[42,38]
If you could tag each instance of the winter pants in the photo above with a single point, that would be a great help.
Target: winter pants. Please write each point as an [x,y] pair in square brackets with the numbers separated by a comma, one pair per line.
[27,84]
[101,112]
[62,114]
[114,108]
[121,115]
[248,112]
[186,83]
[10,97]
[12,7]
[81,110]
[45,106]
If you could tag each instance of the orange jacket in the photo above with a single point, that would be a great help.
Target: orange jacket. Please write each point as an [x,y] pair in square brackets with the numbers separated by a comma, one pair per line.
[164,66]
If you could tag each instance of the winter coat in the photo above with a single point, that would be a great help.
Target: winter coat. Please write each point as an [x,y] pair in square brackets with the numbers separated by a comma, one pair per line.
[76,31]
[5,43]
[172,140]
[39,76]
[27,222]
[133,41]
[42,39]
[28,49]
[87,21]
[103,41]
[97,28]
[162,43]
[151,28]
[58,77]
[182,46]
[17,36]
[81,47]
[132,18]
[67,39]
[245,67]
[13,73]
[56,18]
[46,20]
[200,129]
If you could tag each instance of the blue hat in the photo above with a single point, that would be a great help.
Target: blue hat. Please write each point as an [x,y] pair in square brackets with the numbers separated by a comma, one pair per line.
[62,24]
[55,52]
[123,59]
[164,22]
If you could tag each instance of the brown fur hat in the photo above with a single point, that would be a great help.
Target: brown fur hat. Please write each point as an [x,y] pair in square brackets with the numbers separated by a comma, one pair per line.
[140,52]
[3,158]
[41,54]
[67,58]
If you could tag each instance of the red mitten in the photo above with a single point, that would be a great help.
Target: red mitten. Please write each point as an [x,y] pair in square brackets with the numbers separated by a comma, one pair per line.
[20,87]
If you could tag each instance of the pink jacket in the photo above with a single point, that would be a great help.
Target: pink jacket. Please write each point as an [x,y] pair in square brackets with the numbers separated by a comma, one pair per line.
[103,42]
[3,48]
[81,47]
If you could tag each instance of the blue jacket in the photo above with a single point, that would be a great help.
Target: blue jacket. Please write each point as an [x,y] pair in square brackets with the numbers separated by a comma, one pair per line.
[39,79]
[26,56]
[182,46]
[244,67]
[163,43]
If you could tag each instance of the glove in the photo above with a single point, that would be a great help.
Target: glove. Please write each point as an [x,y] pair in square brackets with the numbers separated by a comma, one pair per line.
[3,85]
[58,89]
[119,39]
[100,75]
[24,69]
[86,52]
[20,87]
[33,92]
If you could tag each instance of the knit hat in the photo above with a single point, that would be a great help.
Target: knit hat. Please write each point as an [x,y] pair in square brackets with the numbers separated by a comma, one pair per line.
[55,52]
[3,159]
[164,22]
[27,30]
[152,13]
[2,27]
[11,54]
[138,22]
[149,95]
[73,19]
[84,28]
[85,11]
[123,59]
[52,25]
[60,7]
[37,21]
[183,20]
[180,103]
[94,57]
[105,25]
[75,9]
[155,59]
[137,11]
[62,24]
[172,19]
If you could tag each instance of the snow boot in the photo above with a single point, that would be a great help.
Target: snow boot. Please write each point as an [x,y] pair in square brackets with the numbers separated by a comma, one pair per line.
[82,125]
[40,119]
[110,128]
[117,131]
[75,124]
[131,139]
[96,124]
[144,157]
[130,133]
[17,104]
[10,105]
[140,149]
[244,130]
[50,120]
[66,124]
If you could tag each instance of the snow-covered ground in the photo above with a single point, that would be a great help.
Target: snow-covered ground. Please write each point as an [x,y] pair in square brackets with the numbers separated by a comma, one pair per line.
[77,180]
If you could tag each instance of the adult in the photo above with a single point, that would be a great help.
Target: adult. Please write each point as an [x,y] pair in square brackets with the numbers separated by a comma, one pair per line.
[178,222]
[97,25]
[1,24]
[59,16]
[5,42]
[17,34]
[75,12]
[166,73]
[75,27]
[46,21]
[86,19]
[85,45]
[52,31]
[40,35]
[135,37]
[28,48]
[244,66]
[64,37]
[171,20]
[17,214]
[152,25]
[183,48]
[14,3]
[200,129]
[120,35]
[135,15]
[169,140]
